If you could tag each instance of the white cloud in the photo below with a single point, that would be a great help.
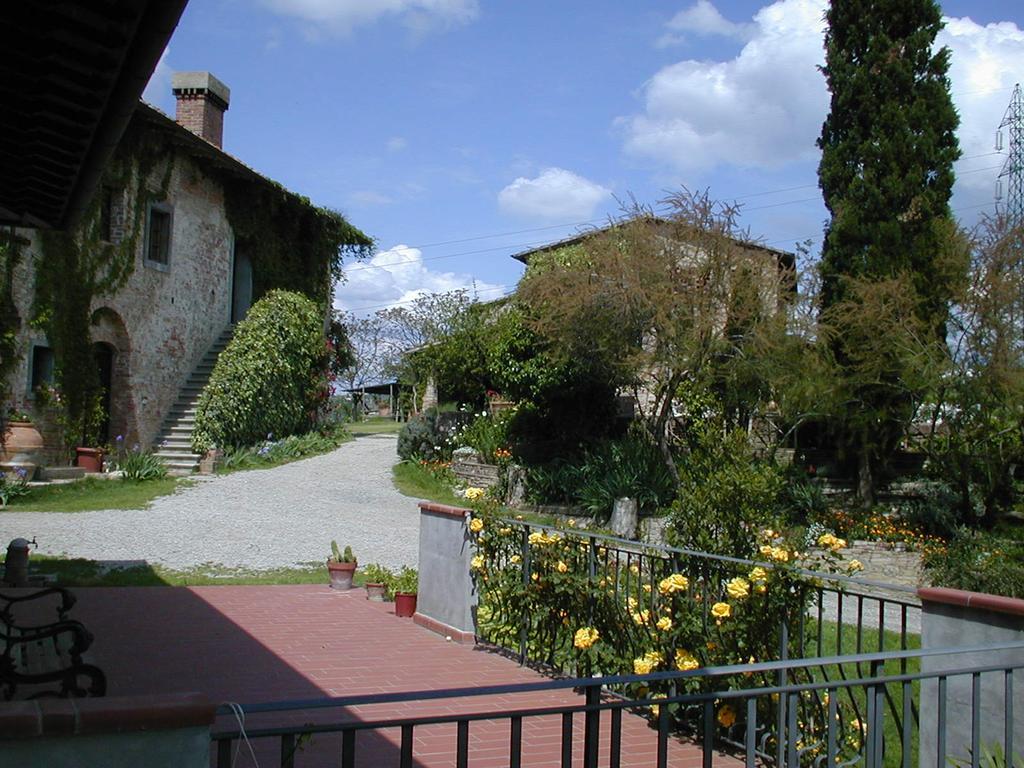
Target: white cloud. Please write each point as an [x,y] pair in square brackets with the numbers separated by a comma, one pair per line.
[158,88]
[764,107]
[556,194]
[986,62]
[396,144]
[369,197]
[704,20]
[399,275]
[342,16]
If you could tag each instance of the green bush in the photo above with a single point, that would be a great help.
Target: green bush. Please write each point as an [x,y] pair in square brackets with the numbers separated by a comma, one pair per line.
[725,498]
[633,468]
[140,466]
[273,452]
[978,562]
[487,434]
[270,380]
[429,436]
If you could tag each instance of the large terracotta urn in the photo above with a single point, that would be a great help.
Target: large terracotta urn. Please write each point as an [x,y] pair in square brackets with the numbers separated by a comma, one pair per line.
[22,444]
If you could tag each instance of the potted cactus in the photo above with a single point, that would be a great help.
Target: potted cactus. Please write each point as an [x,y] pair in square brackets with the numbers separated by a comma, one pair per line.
[341,566]
[406,587]
[377,580]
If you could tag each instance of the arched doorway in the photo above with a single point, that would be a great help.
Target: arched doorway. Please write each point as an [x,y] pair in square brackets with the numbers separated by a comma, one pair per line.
[112,352]
[241,283]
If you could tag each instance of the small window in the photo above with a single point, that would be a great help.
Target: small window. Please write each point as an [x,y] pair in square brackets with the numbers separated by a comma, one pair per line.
[42,367]
[158,236]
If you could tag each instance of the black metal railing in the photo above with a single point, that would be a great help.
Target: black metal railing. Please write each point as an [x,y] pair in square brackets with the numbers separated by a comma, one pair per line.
[818,729]
[876,615]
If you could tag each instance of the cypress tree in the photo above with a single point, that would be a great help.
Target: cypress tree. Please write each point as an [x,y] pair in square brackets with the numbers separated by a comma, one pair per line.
[886,175]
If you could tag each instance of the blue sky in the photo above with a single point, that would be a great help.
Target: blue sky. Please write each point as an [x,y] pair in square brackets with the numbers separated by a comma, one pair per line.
[457,132]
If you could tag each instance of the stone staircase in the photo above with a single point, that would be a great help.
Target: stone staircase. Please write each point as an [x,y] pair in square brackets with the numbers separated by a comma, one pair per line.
[174,443]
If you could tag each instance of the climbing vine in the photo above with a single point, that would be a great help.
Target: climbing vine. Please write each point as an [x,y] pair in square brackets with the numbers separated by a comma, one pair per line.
[10,322]
[76,267]
[293,245]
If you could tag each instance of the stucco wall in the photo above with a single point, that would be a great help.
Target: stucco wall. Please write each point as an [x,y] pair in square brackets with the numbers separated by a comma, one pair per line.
[952,618]
[162,321]
[447,595]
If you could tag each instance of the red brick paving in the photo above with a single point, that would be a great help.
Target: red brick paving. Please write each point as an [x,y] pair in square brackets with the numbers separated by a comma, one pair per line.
[270,643]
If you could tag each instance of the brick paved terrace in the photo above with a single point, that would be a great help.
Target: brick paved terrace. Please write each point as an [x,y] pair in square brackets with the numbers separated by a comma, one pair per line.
[270,643]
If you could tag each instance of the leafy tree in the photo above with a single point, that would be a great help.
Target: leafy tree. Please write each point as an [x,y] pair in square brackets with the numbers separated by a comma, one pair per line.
[886,174]
[976,435]
[663,302]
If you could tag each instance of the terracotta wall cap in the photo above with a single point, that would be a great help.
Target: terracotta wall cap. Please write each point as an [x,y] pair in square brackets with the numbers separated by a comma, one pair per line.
[115,714]
[978,600]
[444,509]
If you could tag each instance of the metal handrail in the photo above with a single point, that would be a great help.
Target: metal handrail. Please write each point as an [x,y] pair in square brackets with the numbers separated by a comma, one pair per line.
[569,683]
[639,547]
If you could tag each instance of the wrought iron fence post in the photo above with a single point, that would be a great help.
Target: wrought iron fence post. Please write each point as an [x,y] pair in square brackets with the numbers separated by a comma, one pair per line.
[780,722]
[591,573]
[592,726]
[524,618]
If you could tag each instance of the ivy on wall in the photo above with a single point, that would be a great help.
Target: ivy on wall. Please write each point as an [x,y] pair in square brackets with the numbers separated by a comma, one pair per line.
[10,322]
[293,245]
[76,267]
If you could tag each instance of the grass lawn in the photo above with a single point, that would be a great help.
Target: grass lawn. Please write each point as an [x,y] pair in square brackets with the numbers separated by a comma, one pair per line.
[93,493]
[412,480]
[375,425]
[77,572]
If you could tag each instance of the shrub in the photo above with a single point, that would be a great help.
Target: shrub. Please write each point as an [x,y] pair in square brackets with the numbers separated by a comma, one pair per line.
[428,437]
[140,466]
[725,495]
[291,448]
[269,380]
[486,434]
[633,468]
[13,485]
[978,562]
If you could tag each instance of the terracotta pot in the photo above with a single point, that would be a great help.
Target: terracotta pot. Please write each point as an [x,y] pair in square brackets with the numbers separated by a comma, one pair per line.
[375,592]
[341,574]
[22,443]
[89,459]
[405,604]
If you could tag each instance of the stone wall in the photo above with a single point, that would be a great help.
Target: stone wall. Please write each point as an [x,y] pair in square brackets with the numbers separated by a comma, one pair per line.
[162,322]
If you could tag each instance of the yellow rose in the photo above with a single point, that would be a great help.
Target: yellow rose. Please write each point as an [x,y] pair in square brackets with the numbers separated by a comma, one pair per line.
[585,637]
[726,716]
[571,523]
[504,530]
[535,577]
[475,493]
[477,563]
[476,525]
[647,587]
[674,583]
[738,588]
[562,567]
[642,666]
[641,618]
[685,661]
[766,549]
[515,559]
[758,574]
[855,565]
[780,554]
[721,610]
[664,624]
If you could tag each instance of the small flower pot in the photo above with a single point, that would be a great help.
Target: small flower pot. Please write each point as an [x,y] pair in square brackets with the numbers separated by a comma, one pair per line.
[405,604]
[89,459]
[375,592]
[341,574]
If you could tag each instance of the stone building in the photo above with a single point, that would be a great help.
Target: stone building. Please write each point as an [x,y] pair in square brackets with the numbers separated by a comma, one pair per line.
[165,201]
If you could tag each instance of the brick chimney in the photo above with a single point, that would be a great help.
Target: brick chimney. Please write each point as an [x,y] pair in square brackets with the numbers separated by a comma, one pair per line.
[202,102]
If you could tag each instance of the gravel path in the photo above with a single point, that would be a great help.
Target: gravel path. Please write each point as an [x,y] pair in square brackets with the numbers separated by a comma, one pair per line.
[265,518]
